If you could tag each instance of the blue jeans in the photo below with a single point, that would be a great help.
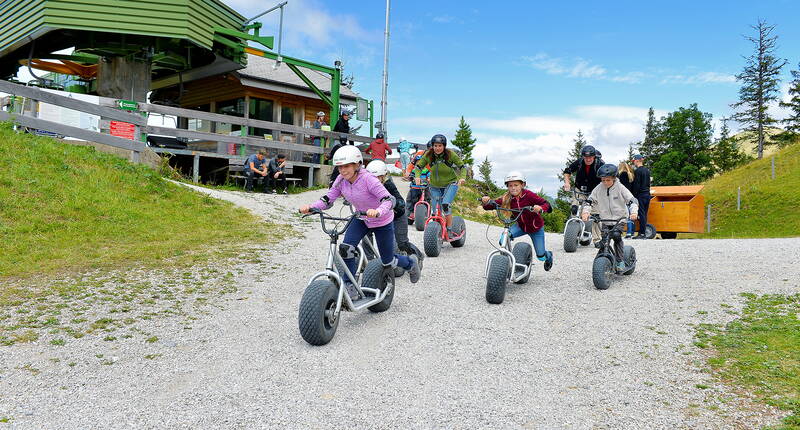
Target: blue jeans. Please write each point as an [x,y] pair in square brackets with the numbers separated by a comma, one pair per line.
[537,239]
[405,158]
[443,196]
[385,238]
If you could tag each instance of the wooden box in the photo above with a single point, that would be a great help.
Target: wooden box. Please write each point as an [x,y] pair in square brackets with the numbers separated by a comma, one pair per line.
[678,209]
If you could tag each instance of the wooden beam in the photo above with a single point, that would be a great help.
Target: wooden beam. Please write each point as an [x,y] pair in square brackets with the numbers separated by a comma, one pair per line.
[78,133]
[70,103]
[213,137]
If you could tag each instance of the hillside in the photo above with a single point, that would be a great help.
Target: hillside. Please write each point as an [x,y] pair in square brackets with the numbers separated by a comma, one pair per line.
[769,207]
[67,209]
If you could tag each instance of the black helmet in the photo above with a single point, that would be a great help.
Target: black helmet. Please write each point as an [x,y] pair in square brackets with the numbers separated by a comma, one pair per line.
[439,138]
[607,170]
[379,136]
[588,151]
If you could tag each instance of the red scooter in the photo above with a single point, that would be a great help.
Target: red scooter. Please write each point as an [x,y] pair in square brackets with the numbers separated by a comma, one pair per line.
[436,232]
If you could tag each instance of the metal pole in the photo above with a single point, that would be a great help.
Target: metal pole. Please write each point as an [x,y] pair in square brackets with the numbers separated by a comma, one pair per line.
[385,73]
[709,218]
[280,34]
[773,167]
[371,119]
[279,5]
[739,198]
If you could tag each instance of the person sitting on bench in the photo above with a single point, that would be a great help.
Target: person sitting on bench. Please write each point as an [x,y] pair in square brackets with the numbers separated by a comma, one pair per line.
[255,167]
[276,174]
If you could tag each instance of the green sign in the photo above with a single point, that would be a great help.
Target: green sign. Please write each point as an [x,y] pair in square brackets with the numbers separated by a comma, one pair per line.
[127,105]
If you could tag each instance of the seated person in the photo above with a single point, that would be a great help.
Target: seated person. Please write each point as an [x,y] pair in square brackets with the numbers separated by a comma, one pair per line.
[255,166]
[276,175]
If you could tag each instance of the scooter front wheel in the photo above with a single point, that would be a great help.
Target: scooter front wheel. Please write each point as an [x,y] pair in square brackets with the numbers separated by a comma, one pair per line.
[420,215]
[602,272]
[432,239]
[496,279]
[571,236]
[318,319]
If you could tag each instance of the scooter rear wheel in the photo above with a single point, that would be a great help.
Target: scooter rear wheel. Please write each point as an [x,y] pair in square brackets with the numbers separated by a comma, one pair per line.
[317,318]
[523,254]
[571,236]
[630,259]
[378,277]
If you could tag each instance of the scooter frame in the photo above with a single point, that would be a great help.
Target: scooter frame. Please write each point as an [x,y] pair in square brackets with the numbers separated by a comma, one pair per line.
[343,300]
[582,202]
[421,201]
[505,246]
[438,216]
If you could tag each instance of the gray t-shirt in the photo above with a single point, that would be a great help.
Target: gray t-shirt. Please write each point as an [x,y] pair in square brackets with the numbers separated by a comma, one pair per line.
[258,164]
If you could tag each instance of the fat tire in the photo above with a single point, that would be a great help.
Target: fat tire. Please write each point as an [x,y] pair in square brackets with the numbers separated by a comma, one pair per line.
[431,239]
[650,231]
[523,254]
[314,326]
[630,259]
[496,279]
[420,216]
[571,236]
[459,225]
[600,267]
[375,276]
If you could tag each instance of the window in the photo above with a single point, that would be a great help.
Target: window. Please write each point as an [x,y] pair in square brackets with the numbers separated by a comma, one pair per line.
[199,124]
[233,107]
[287,115]
[261,109]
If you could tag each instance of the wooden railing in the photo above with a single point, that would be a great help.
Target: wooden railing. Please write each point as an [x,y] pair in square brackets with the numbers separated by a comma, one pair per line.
[107,109]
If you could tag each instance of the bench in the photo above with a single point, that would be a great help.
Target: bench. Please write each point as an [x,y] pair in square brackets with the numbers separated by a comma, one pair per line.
[236,172]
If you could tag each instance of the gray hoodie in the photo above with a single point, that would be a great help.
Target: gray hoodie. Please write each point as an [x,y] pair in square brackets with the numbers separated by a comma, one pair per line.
[612,202]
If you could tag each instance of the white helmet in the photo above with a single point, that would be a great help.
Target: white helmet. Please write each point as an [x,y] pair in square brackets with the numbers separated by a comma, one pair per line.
[346,155]
[377,168]
[514,176]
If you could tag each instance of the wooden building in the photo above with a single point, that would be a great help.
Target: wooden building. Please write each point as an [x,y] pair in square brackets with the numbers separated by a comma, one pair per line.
[259,91]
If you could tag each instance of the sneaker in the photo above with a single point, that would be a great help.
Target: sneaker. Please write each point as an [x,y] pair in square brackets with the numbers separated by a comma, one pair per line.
[351,291]
[285,191]
[621,266]
[598,245]
[414,271]
[628,236]
[548,263]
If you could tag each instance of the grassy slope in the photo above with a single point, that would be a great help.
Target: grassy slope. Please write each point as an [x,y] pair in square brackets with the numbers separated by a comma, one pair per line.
[770,208]
[66,208]
[760,352]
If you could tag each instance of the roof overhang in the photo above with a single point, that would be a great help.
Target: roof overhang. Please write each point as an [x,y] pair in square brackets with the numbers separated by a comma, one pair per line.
[286,88]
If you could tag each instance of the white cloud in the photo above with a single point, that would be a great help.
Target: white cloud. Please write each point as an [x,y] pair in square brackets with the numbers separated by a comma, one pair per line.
[538,145]
[577,68]
[699,78]
[443,19]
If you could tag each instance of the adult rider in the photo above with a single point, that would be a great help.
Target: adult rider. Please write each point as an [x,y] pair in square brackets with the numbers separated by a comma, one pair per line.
[445,177]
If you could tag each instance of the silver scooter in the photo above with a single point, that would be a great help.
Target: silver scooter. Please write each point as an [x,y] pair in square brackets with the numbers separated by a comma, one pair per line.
[576,230]
[505,264]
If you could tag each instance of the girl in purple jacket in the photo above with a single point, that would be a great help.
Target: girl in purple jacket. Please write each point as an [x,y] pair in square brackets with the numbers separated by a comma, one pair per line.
[366,193]
[530,223]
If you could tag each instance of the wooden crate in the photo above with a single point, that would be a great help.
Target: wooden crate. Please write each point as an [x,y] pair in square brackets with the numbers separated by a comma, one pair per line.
[678,209]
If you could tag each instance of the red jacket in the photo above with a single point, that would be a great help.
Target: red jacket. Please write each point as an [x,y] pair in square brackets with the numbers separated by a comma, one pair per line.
[378,149]
[529,222]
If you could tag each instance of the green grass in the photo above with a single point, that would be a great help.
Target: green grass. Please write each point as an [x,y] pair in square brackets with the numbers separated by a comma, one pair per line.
[467,206]
[68,209]
[760,352]
[769,207]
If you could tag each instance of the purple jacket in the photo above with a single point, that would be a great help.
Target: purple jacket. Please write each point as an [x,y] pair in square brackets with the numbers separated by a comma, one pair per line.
[367,192]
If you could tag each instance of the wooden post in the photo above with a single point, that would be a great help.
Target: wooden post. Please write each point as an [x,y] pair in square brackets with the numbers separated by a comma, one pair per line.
[709,218]
[310,177]
[196,169]
[739,198]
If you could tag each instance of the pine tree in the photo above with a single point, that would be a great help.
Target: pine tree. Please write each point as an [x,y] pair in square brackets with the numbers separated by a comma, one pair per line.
[464,141]
[759,79]
[652,146]
[793,121]
[485,169]
[726,153]
[631,152]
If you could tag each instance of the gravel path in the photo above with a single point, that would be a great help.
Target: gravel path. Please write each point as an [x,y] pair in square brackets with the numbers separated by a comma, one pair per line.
[556,354]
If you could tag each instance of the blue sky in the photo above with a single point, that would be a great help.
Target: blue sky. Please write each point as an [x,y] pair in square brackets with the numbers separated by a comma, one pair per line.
[527,75]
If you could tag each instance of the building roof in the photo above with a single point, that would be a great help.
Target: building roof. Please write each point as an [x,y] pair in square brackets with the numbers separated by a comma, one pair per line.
[260,73]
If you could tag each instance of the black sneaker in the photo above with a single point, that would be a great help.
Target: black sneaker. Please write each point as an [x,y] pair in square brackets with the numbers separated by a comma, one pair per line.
[548,263]
[285,191]
[414,272]
[598,245]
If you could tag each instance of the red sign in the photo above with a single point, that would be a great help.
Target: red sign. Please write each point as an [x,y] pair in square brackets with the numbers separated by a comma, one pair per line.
[124,130]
